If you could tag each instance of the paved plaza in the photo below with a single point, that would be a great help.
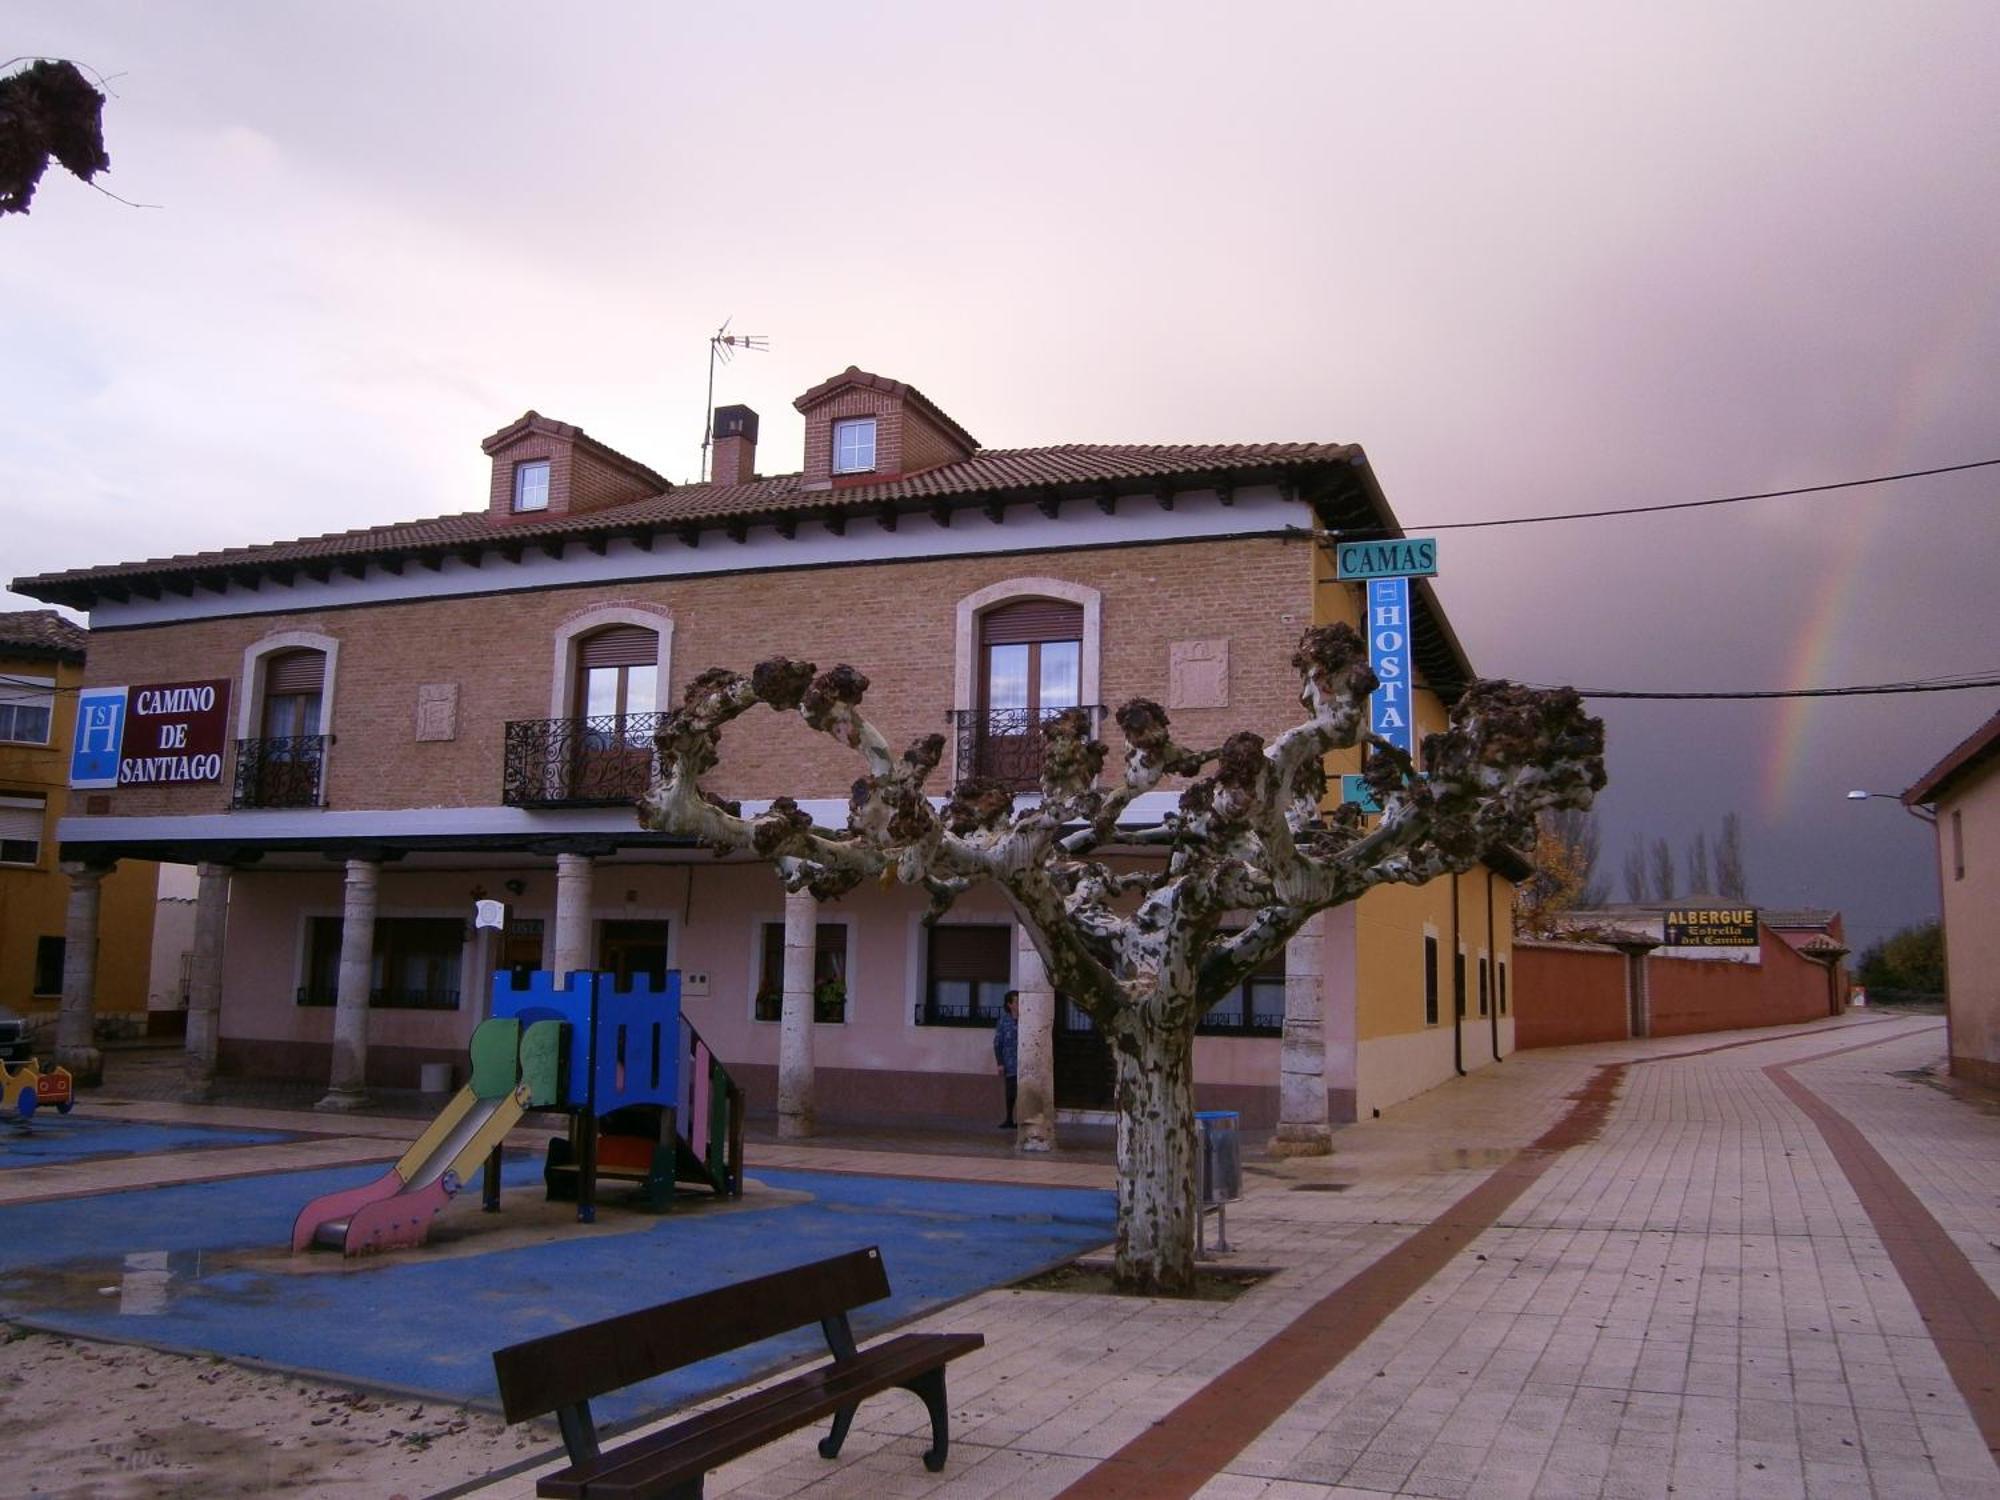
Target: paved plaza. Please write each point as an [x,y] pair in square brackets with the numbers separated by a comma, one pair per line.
[1754,1263]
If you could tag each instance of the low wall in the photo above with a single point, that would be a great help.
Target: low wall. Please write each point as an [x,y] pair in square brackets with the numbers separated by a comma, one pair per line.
[1568,993]
[1688,994]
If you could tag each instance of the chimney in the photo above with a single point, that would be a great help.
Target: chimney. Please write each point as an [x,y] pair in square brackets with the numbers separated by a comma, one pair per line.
[735,451]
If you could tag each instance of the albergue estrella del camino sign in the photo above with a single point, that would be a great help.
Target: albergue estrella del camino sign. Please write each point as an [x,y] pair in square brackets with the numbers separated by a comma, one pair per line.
[1712,927]
[164,732]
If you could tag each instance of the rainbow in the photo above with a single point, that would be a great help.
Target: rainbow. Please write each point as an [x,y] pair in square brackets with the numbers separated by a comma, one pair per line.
[1938,364]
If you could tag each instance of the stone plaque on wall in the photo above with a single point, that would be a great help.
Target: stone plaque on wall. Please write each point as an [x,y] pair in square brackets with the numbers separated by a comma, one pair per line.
[1198,674]
[437,711]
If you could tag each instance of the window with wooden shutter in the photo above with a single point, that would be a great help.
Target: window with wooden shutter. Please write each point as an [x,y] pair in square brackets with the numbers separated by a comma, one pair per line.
[1030,668]
[293,682]
[21,829]
[967,974]
[618,674]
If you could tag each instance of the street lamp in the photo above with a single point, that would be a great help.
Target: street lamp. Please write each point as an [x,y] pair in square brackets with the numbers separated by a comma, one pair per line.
[1916,812]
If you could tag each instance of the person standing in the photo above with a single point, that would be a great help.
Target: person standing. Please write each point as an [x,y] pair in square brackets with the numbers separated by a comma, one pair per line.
[1007,1050]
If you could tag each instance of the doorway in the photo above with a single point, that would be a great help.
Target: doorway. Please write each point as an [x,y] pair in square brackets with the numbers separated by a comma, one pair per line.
[633,948]
[1083,1060]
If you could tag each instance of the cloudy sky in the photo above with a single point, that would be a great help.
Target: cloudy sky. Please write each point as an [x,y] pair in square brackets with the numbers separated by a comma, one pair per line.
[1534,258]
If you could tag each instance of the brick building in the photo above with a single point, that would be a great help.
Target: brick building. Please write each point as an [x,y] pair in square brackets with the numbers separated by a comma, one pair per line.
[381,727]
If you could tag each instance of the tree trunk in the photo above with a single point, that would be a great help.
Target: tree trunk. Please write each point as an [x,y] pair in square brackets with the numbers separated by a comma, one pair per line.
[1156,1156]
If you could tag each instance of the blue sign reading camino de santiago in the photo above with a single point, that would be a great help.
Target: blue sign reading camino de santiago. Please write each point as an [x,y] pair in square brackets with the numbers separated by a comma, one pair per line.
[1389,654]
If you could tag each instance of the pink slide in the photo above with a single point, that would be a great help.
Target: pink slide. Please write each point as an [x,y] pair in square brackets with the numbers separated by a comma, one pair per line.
[341,1205]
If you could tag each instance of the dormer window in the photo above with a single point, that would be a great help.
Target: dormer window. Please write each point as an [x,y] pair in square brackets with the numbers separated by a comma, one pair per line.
[854,446]
[531,485]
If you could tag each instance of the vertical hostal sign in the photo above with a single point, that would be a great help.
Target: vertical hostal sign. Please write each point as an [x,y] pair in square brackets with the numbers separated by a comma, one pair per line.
[159,733]
[1389,711]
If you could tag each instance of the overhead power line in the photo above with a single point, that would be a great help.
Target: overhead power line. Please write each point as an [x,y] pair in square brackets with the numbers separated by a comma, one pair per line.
[1647,510]
[1862,690]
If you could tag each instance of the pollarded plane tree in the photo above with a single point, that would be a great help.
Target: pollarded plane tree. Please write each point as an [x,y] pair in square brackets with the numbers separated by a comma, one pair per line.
[1145,923]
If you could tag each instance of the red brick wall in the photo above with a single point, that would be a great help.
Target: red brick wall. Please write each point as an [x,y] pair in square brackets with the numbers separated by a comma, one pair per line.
[1689,994]
[1564,995]
[924,446]
[733,460]
[894,621]
[1570,995]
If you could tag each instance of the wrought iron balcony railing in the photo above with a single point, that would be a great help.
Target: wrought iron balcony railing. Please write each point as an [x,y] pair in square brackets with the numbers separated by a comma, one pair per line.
[598,762]
[280,772]
[1006,743]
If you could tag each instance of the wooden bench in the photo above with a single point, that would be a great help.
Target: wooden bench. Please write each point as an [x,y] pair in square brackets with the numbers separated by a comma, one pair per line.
[561,1372]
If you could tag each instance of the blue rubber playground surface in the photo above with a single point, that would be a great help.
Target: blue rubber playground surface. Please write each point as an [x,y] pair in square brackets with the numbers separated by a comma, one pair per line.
[51,1137]
[200,1267]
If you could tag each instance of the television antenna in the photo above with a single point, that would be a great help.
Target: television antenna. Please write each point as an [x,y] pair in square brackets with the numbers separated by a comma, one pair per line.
[722,345]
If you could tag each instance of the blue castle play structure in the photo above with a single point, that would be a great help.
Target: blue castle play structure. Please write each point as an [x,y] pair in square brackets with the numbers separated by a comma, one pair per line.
[646,1100]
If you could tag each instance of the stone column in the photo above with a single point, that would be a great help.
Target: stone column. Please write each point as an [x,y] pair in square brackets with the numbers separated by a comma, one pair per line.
[1303,1129]
[1035,1105]
[572,951]
[204,1014]
[76,1025]
[348,1088]
[795,1027]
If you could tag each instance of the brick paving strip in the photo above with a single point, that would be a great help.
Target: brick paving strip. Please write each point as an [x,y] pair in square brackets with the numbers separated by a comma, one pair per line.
[1180,1453]
[1959,1310]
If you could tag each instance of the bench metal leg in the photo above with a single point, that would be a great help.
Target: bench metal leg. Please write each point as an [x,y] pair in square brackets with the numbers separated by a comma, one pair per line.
[929,1388]
[829,1446]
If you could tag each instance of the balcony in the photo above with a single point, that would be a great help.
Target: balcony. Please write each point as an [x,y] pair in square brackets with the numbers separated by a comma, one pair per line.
[602,762]
[280,772]
[1006,743]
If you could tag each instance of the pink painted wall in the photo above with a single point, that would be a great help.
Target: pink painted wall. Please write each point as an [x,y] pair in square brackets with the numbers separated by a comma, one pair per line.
[714,913]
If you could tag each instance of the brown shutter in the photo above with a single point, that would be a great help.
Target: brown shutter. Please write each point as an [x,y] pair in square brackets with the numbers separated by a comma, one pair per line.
[620,646]
[294,673]
[1031,620]
[971,953]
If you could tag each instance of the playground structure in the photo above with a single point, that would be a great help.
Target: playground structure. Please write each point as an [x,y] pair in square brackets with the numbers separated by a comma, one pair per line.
[647,1103]
[25,1088]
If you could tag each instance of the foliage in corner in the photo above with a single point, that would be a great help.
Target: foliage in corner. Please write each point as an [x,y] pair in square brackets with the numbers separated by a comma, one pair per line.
[48,110]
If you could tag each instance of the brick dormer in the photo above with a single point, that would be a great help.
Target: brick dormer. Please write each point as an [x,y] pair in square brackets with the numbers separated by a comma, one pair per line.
[544,468]
[909,433]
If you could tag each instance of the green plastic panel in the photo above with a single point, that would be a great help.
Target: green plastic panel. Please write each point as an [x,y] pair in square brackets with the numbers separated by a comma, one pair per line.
[496,1054]
[541,1063]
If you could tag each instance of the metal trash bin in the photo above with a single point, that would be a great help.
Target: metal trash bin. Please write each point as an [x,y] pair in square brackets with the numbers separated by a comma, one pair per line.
[1218,1174]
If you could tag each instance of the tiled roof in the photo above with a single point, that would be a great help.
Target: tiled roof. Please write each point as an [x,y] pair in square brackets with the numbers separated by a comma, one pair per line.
[1976,748]
[1071,471]
[42,632]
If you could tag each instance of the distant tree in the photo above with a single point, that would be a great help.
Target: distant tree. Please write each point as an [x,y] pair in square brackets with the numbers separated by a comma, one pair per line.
[1698,881]
[1565,851]
[1635,870]
[47,110]
[1662,866]
[1909,962]
[1730,883]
